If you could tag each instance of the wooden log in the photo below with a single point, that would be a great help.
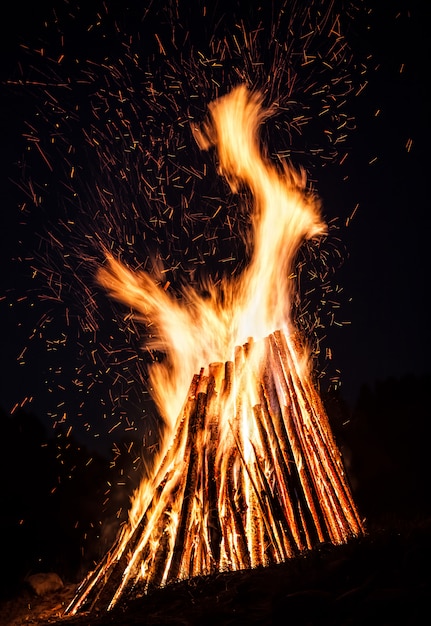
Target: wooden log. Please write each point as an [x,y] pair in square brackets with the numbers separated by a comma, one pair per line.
[241,551]
[182,542]
[294,428]
[328,465]
[279,496]
[228,379]
[210,490]
[288,478]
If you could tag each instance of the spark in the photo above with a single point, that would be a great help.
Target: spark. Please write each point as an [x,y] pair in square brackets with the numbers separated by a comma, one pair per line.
[111,165]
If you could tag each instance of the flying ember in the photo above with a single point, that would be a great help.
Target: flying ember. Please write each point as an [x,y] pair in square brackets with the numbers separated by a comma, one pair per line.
[248,472]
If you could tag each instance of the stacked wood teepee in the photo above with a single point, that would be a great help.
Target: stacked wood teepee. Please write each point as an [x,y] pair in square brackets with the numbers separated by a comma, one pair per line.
[228,498]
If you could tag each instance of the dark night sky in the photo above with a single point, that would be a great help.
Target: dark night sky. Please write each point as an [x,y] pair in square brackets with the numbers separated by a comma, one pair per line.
[386,275]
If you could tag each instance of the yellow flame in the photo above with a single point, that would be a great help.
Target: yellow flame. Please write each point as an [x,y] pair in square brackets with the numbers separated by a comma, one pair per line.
[248,471]
[196,330]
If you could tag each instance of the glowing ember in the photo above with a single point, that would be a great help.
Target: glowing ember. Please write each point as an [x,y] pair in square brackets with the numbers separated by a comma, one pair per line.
[248,471]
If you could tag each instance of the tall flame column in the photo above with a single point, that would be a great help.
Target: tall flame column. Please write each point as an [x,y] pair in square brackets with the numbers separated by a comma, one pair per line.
[249,472]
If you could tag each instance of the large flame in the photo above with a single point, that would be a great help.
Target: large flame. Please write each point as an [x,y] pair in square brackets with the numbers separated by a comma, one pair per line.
[248,472]
[198,330]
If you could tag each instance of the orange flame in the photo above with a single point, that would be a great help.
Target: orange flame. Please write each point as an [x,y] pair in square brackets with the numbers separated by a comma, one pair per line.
[198,330]
[248,471]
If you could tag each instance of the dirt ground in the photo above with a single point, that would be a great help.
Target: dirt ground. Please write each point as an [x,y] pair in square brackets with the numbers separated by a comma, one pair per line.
[383,578]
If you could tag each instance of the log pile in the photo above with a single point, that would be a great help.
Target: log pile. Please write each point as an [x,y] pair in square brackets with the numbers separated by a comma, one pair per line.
[253,477]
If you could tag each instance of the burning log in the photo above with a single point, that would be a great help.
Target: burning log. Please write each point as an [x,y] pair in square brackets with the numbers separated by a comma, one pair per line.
[276,489]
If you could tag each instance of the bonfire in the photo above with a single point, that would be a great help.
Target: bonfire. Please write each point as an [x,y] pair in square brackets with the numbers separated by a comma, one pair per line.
[248,472]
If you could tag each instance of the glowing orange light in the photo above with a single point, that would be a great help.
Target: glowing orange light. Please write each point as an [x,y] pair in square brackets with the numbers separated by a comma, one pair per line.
[248,471]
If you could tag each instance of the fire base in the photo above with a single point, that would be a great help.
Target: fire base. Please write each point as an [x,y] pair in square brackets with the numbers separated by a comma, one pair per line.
[253,477]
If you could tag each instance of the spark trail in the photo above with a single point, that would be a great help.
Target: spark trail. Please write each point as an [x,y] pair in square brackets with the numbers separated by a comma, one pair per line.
[111,165]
